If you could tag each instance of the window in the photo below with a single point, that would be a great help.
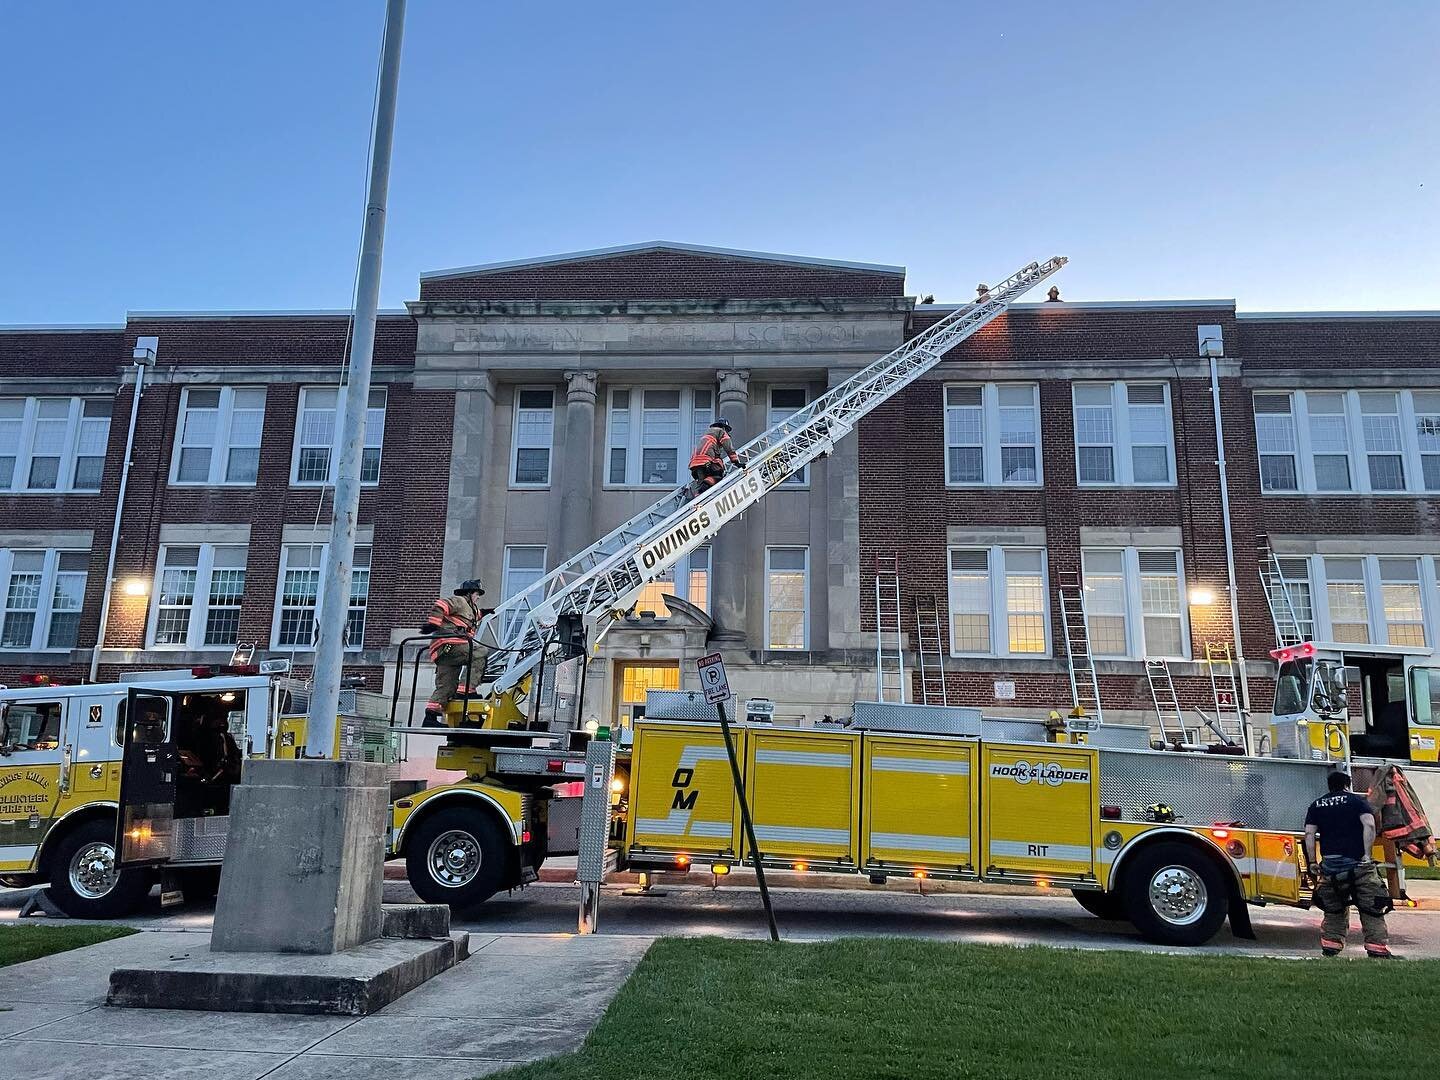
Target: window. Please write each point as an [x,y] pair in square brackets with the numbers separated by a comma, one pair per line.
[31,725]
[534,435]
[1345,597]
[787,598]
[651,433]
[43,592]
[53,444]
[1362,599]
[1134,603]
[992,434]
[786,401]
[997,602]
[524,566]
[318,431]
[689,579]
[299,603]
[198,590]
[219,436]
[1400,601]
[1295,572]
[1366,442]
[1123,434]
[637,680]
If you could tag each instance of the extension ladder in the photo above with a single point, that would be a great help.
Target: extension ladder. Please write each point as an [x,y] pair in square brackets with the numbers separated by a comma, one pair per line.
[1084,683]
[930,647]
[889,637]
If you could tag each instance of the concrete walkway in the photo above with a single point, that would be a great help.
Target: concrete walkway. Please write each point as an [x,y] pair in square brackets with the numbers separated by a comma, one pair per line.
[519,997]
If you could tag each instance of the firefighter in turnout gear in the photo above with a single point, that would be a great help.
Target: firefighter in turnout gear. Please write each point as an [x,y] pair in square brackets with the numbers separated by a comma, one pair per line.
[453,622]
[707,464]
[1347,875]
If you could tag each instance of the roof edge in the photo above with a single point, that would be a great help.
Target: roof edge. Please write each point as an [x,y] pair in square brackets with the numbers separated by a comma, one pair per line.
[316,313]
[1292,316]
[1095,305]
[659,245]
[57,328]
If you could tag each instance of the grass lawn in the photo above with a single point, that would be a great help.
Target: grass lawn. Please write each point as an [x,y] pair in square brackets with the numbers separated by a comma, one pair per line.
[904,1009]
[21,943]
[1423,873]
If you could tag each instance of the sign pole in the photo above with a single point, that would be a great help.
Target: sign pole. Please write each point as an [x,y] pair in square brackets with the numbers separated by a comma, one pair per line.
[716,685]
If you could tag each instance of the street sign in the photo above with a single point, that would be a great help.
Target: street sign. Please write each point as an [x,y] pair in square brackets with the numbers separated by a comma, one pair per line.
[713,679]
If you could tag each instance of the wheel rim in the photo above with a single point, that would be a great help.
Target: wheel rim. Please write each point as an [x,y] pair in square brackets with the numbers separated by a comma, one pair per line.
[1177,895]
[454,858]
[92,870]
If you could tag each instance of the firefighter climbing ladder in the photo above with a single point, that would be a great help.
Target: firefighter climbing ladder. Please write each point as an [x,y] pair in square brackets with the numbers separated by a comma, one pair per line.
[605,578]
[1167,703]
[1084,685]
[889,638]
[1277,594]
[1225,690]
[930,647]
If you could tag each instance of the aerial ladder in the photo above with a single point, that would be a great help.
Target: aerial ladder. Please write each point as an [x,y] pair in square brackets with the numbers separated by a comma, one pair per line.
[594,588]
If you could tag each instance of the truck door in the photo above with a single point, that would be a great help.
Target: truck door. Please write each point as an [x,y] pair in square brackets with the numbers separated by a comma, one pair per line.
[1039,806]
[148,768]
[34,775]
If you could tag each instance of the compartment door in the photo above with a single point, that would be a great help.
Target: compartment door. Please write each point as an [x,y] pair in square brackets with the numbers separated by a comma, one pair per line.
[804,795]
[1039,805]
[147,779]
[1277,867]
[682,797]
[920,803]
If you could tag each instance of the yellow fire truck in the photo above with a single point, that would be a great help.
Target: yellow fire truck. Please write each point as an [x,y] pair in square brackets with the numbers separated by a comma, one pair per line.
[159,754]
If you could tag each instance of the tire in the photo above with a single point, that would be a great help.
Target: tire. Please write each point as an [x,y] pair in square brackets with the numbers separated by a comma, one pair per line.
[459,857]
[83,881]
[1175,894]
[1103,905]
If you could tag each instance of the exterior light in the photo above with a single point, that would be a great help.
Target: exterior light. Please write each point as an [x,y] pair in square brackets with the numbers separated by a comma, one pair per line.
[1201,596]
[592,726]
[135,587]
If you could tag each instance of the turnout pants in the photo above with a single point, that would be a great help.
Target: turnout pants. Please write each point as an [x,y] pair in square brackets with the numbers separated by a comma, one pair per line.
[1370,898]
[450,663]
[707,475]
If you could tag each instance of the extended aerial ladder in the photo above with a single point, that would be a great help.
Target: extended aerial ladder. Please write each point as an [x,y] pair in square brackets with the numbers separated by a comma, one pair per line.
[598,585]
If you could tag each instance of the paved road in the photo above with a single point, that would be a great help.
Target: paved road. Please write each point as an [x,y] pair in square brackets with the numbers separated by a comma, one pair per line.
[812,914]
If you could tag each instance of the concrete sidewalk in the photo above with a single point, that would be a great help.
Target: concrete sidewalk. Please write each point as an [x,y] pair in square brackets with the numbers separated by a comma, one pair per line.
[518,998]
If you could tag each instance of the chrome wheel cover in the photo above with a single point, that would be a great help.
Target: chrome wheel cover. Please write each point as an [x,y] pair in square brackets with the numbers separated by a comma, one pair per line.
[454,858]
[1177,895]
[92,870]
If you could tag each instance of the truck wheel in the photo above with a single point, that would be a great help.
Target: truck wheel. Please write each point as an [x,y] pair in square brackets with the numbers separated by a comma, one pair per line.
[1175,895]
[1103,905]
[457,857]
[84,882]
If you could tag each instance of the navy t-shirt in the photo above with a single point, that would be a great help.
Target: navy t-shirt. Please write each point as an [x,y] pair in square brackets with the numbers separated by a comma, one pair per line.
[1337,817]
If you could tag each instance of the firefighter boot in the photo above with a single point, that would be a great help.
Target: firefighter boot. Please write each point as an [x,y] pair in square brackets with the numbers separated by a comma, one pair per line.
[432,718]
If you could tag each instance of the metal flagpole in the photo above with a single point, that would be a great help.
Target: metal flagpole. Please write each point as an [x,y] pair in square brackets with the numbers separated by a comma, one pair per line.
[335,606]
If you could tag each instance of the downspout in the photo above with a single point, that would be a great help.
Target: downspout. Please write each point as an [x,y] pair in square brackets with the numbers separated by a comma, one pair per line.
[145,349]
[1229,538]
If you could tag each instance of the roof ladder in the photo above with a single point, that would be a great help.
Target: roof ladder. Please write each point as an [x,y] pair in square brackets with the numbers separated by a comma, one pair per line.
[889,638]
[1277,594]
[1167,703]
[1084,685]
[1229,716]
[931,651]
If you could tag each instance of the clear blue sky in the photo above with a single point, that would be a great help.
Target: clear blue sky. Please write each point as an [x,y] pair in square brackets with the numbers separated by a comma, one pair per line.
[207,155]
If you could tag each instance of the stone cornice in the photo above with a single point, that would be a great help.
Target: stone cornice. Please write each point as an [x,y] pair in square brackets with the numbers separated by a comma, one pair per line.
[469,309]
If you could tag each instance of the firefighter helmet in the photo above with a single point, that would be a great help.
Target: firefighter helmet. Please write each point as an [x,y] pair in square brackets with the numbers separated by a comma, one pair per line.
[721,423]
[471,585]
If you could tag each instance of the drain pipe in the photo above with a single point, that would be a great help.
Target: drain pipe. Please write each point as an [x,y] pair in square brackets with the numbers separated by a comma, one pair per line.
[1212,348]
[144,355]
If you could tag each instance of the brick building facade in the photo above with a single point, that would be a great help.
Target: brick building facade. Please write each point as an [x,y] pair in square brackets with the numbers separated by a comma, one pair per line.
[529,407]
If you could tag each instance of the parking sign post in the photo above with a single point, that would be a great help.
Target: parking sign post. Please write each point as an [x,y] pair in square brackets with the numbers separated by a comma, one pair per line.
[716,685]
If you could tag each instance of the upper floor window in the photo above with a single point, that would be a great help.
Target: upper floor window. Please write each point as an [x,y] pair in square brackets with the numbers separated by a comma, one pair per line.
[534,437]
[198,591]
[1368,442]
[997,602]
[786,401]
[318,430]
[992,434]
[219,436]
[42,592]
[1135,603]
[1362,599]
[53,444]
[300,600]
[787,598]
[1123,434]
[524,566]
[651,432]
[689,579]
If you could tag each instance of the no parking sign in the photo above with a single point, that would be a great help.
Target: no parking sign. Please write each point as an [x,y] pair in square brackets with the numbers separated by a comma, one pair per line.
[713,679]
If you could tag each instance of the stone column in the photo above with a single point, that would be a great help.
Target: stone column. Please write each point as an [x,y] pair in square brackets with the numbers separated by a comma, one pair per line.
[577,496]
[840,564]
[470,457]
[728,550]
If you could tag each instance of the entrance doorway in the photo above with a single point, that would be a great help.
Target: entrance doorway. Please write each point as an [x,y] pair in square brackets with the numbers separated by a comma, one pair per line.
[632,680]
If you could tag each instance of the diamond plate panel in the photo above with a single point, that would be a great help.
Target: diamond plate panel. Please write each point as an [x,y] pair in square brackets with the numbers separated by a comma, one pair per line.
[915,719]
[680,705]
[1264,793]
[595,812]
[200,839]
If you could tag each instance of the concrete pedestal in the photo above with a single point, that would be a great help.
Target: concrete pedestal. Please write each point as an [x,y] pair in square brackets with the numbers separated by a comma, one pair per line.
[305,859]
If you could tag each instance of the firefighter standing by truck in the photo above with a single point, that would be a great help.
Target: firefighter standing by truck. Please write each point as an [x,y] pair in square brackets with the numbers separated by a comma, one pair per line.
[1347,874]
[707,464]
[453,623]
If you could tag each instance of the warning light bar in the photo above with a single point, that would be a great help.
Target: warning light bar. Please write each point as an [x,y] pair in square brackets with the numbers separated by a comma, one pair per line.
[1286,653]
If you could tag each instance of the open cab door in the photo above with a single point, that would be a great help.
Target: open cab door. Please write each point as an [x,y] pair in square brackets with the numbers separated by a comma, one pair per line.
[148,770]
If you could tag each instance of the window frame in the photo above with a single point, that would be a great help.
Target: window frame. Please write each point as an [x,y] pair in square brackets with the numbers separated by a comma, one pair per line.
[199,603]
[1122,444]
[296,445]
[45,603]
[634,445]
[991,449]
[507,567]
[515,446]
[1357,453]
[805,610]
[69,455]
[284,564]
[800,479]
[224,444]
[683,574]
[1135,649]
[1372,579]
[999,609]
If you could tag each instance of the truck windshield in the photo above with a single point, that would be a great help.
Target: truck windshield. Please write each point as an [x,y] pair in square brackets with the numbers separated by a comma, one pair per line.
[1292,686]
[29,726]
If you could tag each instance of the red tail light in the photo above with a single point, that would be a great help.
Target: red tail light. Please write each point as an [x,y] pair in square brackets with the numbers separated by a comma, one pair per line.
[1110,813]
[1285,654]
